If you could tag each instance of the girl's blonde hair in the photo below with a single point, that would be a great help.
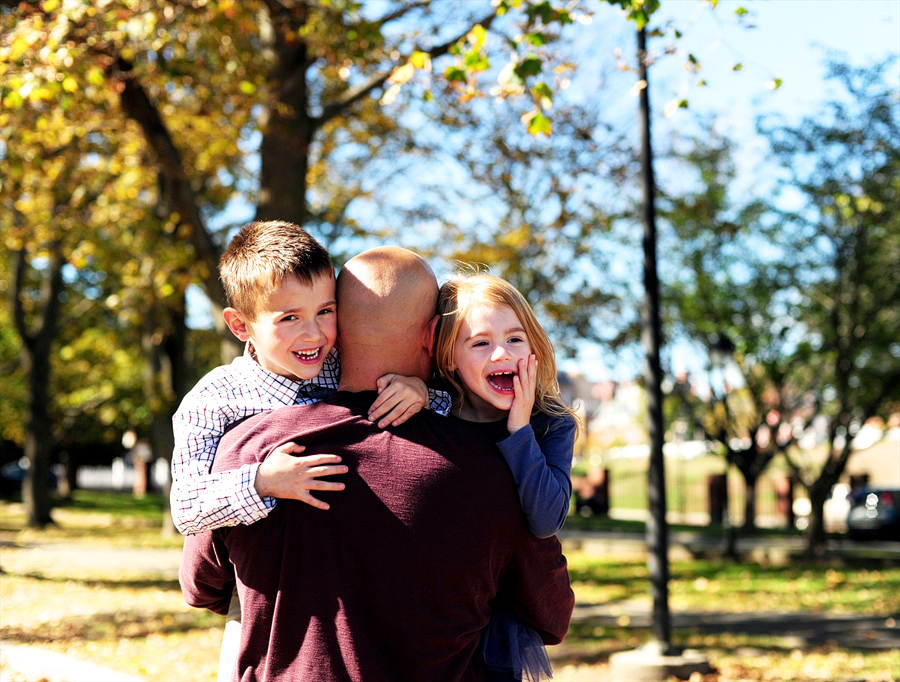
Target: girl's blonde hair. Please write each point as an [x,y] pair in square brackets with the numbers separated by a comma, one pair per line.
[458,297]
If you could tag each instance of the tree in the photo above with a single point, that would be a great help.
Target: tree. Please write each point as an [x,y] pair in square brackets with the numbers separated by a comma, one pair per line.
[166,99]
[845,165]
[201,102]
[728,292]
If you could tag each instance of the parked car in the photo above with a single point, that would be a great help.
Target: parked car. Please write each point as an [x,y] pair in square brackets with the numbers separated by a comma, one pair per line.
[874,514]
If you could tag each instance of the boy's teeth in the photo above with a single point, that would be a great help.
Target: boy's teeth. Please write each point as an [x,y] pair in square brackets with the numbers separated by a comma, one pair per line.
[308,355]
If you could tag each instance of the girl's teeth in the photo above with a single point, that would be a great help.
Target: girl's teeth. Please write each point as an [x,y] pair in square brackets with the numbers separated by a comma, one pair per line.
[505,377]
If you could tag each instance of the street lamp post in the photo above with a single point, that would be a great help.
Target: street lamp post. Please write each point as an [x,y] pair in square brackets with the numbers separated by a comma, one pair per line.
[658,659]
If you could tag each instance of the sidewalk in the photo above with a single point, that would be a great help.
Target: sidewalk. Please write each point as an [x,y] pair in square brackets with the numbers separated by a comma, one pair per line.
[31,663]
[686,545]
[797,630]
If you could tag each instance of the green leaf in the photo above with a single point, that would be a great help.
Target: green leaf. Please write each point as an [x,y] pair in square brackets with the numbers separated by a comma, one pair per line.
[639,17]
[741,11]
[454,74]
[541,9]
[543,96]
[530,66]
[475,61]
[540,124]
[737,67]
[536,39]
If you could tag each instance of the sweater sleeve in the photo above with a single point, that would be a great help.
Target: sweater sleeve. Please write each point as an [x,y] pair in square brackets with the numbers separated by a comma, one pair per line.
[541,466]
[536,590]
[206,574]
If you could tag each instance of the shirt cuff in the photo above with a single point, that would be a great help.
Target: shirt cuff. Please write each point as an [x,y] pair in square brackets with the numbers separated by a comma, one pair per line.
[252,505]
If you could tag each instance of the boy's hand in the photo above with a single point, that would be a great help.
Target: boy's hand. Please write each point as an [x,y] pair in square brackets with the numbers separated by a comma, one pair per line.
[399,399]
[524,384]
[287,477]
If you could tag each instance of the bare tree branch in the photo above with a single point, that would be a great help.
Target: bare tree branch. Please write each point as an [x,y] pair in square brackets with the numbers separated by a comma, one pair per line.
[18,308]
[353,95]
[137,105]
[401,11]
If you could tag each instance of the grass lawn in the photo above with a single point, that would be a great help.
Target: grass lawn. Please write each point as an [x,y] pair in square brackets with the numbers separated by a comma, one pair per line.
[132,618]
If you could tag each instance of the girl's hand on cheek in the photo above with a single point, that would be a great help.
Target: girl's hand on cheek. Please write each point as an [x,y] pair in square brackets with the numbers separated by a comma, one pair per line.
[524,384]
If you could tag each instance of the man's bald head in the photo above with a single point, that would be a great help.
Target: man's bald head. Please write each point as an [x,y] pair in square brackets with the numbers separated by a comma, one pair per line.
[387,301]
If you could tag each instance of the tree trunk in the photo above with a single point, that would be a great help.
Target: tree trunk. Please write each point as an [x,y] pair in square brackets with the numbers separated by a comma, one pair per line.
[163,344]
[36,487]
[750,480]
[286,126]
[37,347]
[815,532]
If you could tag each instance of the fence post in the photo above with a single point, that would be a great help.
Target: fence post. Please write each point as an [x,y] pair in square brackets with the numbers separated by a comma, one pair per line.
[716,485]
[784,497]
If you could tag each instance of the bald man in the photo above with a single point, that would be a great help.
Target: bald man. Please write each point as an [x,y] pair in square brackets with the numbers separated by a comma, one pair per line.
[393,582]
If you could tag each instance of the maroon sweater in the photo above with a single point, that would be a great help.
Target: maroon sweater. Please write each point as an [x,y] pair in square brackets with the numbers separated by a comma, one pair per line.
[393,582]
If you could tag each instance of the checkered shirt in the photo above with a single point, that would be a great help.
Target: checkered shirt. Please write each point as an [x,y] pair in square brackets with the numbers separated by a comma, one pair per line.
[201,500]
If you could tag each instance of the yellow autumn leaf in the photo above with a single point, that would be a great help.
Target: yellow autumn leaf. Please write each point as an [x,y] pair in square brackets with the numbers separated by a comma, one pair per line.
[69,84]
[476,36]
[390,94]
[421,60]
[402,73]
[19,47]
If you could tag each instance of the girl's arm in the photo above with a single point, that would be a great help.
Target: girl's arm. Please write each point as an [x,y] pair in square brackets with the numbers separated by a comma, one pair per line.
[541,469]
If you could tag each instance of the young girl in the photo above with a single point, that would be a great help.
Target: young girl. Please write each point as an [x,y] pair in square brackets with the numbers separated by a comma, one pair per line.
[500,365]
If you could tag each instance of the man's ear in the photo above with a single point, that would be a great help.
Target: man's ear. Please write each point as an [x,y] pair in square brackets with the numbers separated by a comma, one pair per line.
[237,324]
[429,335]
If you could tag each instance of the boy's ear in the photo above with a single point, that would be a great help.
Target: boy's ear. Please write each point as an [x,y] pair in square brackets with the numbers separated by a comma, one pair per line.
[237,324]
[429,335]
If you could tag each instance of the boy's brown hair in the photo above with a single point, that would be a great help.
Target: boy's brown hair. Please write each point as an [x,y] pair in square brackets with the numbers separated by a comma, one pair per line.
[261,255]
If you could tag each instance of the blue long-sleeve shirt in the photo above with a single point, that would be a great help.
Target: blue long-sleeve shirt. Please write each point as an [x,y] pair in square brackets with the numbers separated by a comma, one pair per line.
[540,458]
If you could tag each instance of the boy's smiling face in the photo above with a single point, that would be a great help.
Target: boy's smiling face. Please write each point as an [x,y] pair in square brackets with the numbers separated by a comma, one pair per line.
[295,329]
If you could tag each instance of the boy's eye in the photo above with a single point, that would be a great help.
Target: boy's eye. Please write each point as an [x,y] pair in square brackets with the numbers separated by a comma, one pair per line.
[288,318]
[326,311]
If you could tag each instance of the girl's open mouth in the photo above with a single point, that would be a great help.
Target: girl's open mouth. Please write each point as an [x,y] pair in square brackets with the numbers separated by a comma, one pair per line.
[502,381]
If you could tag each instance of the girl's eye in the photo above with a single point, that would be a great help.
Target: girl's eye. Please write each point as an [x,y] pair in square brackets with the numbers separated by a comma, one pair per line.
[479,344]
[517,339]
[288,318]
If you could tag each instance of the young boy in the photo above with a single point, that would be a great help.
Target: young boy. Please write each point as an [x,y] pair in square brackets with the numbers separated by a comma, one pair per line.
[280,286]
[281,291]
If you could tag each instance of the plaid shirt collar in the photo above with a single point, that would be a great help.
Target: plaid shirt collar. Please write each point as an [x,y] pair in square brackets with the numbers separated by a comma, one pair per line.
[317,388]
